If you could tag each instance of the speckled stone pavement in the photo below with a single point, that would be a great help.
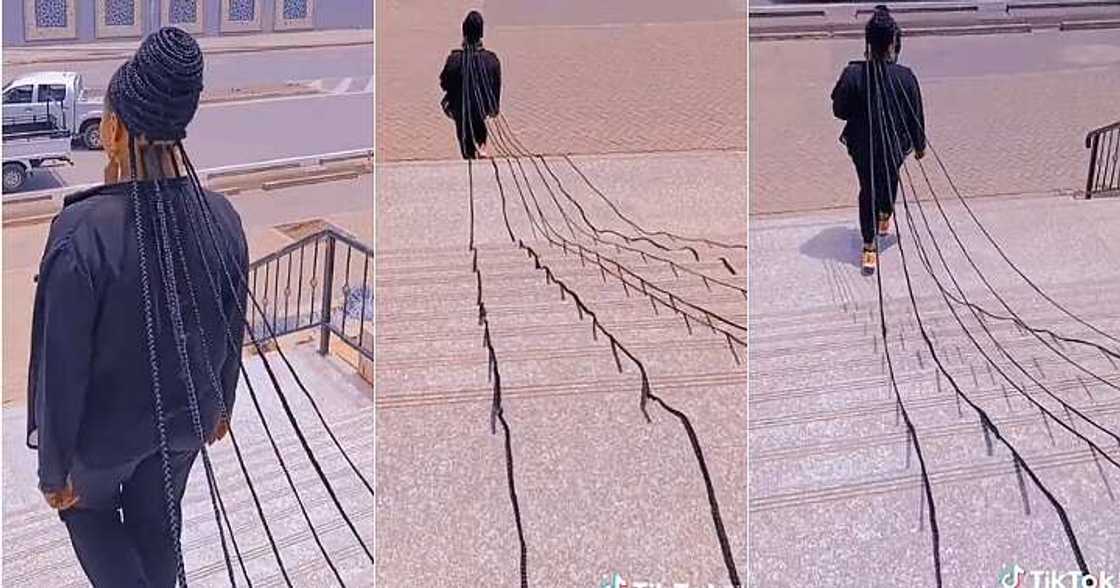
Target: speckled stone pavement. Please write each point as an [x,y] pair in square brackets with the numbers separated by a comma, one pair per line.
[650,79]
[835,492]
[600,490]
[1008,112]
[661,88]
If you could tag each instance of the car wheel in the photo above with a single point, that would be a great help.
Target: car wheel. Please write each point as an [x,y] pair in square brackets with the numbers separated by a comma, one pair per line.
[91,135]
[14,177]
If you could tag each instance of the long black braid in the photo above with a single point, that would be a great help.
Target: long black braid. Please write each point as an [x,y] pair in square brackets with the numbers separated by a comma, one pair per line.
[153,361]
[155,94]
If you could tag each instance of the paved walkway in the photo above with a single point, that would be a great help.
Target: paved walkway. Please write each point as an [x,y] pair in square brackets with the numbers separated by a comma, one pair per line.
[620,87]
[835,489]
[600,489]
[1009,113]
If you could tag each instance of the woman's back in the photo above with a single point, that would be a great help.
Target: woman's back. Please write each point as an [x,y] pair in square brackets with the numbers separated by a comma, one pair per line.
[91,275]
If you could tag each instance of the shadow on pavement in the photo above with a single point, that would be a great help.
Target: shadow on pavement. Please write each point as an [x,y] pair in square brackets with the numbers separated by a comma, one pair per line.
[41,179]
[841,244]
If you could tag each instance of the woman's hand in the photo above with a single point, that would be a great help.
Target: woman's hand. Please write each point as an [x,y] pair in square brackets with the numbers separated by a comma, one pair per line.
[219,431]
[62,499]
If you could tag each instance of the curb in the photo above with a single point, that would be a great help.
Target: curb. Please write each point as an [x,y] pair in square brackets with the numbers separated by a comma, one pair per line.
[854,33]
[310,179]
[291,90]
[971,17]
[1089,25]
[39,207]
[249,97]
[126,53]
[1059,4]
[238,172]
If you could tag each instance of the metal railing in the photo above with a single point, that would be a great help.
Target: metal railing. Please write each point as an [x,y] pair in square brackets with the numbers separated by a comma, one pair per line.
[1104,161]
[323,281]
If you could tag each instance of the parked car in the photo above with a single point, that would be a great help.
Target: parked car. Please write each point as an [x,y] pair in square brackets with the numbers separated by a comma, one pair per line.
[50,101]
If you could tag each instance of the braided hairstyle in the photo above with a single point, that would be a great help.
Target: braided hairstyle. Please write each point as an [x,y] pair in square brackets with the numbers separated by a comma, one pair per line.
[472,28]
[476,97]
[155,94]
[882,31]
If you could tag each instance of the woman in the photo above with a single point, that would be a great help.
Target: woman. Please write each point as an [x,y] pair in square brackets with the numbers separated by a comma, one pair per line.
[472,83]
[881,103]
[137,328]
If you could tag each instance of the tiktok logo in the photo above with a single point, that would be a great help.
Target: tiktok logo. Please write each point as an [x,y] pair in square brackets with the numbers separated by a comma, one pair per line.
[1011,576]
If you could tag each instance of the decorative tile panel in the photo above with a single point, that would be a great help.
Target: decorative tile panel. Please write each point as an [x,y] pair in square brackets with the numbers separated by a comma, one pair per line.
[242,10]
[120,18]
[184,14]
[49,19]
[51,13]
[294,15]
[120,13]
[294,9]
[241,16]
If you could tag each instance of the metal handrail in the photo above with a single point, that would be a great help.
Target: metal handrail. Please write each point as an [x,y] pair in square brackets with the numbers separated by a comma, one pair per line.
[1101,131]
[315,269]
[1104,161]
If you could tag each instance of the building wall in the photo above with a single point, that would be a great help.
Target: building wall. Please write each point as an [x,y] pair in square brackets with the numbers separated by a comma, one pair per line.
[268,16]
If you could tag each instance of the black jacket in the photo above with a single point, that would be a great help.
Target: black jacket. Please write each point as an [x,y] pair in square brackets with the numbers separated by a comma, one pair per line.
[901,104]
[90,384]
[483,95]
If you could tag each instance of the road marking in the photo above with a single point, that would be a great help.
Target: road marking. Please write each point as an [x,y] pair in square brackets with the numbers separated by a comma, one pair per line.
[279,99]
[342,86]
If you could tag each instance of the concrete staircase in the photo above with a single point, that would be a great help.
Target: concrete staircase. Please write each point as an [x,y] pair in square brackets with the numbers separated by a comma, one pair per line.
[37,550]
[600,489]
[835,491]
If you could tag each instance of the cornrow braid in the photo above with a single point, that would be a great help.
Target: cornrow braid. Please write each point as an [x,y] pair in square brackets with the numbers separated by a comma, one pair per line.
[881,31]
[153,366]
[178,329]
[156,92]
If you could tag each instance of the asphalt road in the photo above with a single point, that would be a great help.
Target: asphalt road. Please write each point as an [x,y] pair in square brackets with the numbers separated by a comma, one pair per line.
[248,132]
[230,70]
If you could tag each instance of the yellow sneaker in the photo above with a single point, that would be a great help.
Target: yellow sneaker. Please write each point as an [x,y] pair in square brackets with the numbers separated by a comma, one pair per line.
[870,261]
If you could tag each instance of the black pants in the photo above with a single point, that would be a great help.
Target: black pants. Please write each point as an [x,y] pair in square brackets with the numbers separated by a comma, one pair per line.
[885,191]
[470,133]
[120,527]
